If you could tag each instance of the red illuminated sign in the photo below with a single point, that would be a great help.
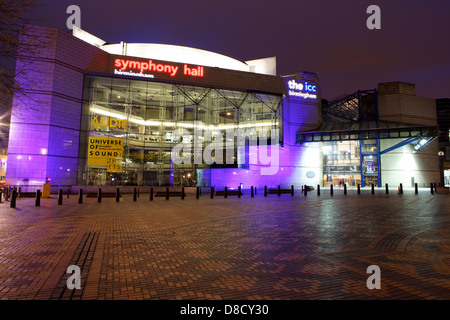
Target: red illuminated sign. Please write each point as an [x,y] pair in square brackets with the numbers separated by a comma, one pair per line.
[149,66]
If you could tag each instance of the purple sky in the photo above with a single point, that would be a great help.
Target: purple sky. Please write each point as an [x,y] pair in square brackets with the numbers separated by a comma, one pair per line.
[328,37]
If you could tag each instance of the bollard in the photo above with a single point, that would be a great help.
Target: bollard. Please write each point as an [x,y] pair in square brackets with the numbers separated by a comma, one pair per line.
[279,190]
[135,194]
[252,194]
[117,195]
[138,193]
[359,189]
[182,193]
[387,189]
[292,190]
[345,188]
[265,191]
[167,193]
[331,190]
[373,188]
[99,195]
[416,189]
[401,188]
[226,192]
[13,198]
[68,193]
[80,196]
[37,203]
[151,194]
[212,193]
[318,189]
[197,195]
[431,188]
[306,190]
[1,192]
[239,191]
[60,195]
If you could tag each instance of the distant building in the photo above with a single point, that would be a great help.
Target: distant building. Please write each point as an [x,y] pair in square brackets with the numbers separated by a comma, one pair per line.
[120,114]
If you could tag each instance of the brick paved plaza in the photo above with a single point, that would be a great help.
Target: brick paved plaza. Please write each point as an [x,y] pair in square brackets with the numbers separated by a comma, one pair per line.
[301,247]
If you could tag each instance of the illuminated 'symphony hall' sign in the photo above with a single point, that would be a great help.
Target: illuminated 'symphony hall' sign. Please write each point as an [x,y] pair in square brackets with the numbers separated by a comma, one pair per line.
[145,68]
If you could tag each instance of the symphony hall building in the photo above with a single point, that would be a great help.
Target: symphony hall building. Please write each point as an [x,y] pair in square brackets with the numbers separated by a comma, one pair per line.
[100,114]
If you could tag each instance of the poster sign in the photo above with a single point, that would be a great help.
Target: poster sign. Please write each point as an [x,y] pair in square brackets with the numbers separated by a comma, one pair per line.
[105,152]
[369,165]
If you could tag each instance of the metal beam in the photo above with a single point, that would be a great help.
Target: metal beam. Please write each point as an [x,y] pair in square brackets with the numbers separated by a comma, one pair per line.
[399,145]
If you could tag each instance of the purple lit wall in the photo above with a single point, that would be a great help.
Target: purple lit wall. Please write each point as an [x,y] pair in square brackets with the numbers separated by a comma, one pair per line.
[45,123]
[298,164]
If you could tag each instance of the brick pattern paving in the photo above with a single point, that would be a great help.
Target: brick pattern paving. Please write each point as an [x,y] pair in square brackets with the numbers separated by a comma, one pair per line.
[301,247]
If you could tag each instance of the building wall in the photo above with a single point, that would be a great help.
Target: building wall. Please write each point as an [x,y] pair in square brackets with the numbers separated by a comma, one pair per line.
[398,102]
[45,123]
[404,166]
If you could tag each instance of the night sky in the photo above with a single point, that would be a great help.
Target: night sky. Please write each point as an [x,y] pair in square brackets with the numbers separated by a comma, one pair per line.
[328,37]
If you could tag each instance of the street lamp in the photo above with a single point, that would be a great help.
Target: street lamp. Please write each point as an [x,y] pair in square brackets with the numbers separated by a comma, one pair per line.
[441,167]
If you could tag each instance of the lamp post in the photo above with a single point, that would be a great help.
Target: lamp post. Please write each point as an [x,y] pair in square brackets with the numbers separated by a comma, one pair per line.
[441,167]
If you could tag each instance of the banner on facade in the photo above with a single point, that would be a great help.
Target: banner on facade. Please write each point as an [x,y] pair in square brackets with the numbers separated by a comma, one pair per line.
[105,152]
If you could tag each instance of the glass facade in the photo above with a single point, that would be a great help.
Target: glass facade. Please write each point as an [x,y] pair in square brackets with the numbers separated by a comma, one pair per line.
[131,124]
[341,163]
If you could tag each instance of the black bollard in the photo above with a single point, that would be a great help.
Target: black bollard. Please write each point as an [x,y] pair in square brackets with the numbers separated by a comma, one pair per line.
[117,195]
[292,190]
[279,190]
[80,196]
[182,193]
[318,189]
[265,191]
[99,195]
[226,192]
[60,196]
[13,198]
[1,192]
[387,189]
[431,188]
[252,194]
[135,194]
[68,193]
[373,188]
[401,188]
[416,189]
[306,190]
[212,193]
[151,194]
[331,189]
[37,203]
[167,193]
[239,191]
[197,195]
[345,188]
[359,189]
